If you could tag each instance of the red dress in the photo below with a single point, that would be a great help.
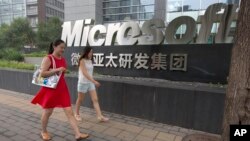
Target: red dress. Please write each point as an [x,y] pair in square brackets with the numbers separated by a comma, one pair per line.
[51,98]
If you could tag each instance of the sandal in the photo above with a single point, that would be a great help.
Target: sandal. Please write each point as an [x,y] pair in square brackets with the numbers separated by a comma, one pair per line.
[78,117]
[46,136]
[83,136]
[103,119]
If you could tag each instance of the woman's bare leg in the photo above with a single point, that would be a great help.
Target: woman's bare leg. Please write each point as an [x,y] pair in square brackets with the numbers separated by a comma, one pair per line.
[78,102]
[95,101]
[69,113]
[45,119]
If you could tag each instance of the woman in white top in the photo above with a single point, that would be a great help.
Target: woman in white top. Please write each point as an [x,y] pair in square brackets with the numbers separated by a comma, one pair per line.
[87,84]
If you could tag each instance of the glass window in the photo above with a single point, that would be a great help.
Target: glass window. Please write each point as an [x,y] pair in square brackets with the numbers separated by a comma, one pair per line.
[149,8]
[206,3]
[174,5]
[126,17]
[125,10]
[147,2]
[149,15]
[231,1]
[18,1]
[18,15]
[142,16]
[125,3]
[18,7]
[136,2]
[106,18]
[135,9]
[33,21]
[7,19]
[191,5]
[5,1]
[122,17]
[5,9]
[105,4]
[114,4]
[53,2]
[114,17]
[135,16]
[49,1]
[111,11]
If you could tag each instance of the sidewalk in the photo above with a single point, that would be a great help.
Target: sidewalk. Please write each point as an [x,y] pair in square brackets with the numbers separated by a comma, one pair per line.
[20,121]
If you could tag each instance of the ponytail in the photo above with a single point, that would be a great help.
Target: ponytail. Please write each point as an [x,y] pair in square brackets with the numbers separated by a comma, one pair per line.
[51,48]
[54,44]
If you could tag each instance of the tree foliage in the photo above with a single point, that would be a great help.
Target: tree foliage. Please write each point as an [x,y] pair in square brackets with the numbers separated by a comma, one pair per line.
[48,32]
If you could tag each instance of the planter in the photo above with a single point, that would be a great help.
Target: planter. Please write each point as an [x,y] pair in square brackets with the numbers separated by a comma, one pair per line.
[189,106]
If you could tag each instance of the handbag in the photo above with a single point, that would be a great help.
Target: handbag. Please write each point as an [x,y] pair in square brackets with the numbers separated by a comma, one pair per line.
[49,82]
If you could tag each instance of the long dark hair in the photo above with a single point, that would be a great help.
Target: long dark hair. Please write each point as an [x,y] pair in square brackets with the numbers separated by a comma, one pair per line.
[54,44]
[85,54]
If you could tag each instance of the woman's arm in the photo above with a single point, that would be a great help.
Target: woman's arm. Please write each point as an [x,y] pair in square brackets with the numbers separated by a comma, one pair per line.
[45,72]
[85,72]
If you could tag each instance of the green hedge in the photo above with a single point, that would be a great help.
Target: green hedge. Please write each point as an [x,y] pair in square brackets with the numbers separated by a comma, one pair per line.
[11,55]
[16,65]
[36,54]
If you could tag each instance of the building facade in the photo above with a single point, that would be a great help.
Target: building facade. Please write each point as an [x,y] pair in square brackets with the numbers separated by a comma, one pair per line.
[192,8]
[35,10]
[138,10]
[10,9]
[89,9]
[110,11]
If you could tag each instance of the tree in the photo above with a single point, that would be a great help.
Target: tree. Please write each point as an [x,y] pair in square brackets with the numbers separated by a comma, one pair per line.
[237,104]
[3,30]
[48,32]
[19,34]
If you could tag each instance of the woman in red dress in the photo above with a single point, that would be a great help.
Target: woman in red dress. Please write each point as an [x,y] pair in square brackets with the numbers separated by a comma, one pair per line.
[59,97]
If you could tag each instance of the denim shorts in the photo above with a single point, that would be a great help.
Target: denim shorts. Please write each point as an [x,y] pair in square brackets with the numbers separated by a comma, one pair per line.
[85,87]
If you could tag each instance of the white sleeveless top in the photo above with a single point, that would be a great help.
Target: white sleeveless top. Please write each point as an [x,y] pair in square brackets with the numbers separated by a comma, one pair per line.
[89,66]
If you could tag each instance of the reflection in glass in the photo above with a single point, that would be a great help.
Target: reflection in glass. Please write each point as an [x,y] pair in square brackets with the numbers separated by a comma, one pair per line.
[128,9]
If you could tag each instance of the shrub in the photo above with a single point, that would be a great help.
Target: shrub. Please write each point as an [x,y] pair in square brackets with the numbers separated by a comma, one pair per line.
[16,65]
[11,55]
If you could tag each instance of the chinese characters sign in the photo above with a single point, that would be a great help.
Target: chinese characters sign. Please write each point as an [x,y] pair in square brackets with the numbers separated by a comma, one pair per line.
[156,61]
[195,62]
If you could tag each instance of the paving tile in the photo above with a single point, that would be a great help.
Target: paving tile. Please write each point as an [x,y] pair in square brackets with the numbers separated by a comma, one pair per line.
[112,132]
[60,133]
[143,138]
[23,132]
[9,134]
[165,136]
[149,133]
[34,137]
[58,139]
[98,128]
[132,123]
[146,126]
[133,129]
[178,138]
[110,138]
[3,138]
[126,136]
[18,138]
[2,130]
[97,134]
[119,125]
[161,129]
[178,133]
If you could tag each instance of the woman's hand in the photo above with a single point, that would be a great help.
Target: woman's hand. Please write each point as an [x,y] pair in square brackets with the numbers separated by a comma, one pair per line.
[61,69]
[97,84]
